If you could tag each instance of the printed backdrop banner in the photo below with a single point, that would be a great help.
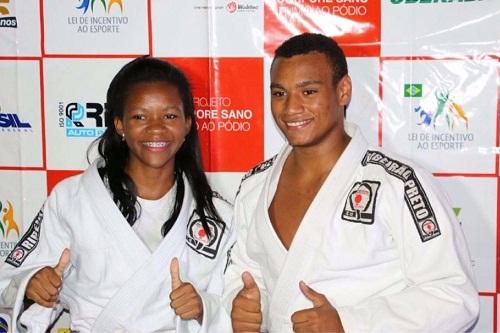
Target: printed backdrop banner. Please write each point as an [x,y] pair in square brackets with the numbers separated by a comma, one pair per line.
[426,84]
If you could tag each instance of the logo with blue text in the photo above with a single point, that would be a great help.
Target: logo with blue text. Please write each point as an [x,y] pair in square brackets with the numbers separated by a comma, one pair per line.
[7,20]
[13,122]
[82,119]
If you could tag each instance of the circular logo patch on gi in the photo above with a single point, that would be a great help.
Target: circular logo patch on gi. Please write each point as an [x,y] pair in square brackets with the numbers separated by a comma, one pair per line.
[198,239]
[429,227]
[198,232]
[17,254]
[360,198]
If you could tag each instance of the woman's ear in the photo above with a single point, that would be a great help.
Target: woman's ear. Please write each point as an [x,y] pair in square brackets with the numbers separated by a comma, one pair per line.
[119,126]
[188,123]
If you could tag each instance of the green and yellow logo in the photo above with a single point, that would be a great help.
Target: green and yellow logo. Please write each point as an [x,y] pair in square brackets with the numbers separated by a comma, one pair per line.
[413,90]
[7,222]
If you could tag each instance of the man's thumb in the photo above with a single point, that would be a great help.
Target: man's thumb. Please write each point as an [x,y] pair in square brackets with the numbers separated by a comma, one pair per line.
[316,298]
[63,262]
[175,274]
[250,286]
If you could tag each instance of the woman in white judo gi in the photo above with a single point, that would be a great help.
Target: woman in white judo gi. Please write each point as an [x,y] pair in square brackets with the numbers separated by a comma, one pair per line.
[138,224]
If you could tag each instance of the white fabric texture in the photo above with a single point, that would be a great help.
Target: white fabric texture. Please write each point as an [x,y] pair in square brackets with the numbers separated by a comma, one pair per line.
[114,283]
[379,240]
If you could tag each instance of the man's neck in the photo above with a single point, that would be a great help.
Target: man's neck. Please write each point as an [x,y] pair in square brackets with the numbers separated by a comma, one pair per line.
[311,162]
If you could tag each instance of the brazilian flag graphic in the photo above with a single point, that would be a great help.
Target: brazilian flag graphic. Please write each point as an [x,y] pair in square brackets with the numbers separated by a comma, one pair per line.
[413,90]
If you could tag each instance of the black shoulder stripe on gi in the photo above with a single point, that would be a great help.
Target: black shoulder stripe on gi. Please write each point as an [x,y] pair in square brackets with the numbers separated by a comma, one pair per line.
[260,167]
[217,195]
[415,197]
[229,261]
[263,166]
[27,243]
[197,238]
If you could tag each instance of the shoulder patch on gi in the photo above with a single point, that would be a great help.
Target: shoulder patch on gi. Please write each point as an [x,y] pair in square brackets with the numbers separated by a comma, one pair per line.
[415,197]
[260,167]
[197,239]
[217,195]
[263,166]
[27,243]
[360,203]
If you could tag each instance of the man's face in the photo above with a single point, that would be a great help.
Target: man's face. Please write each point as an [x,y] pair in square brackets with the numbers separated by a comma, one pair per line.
[306,106]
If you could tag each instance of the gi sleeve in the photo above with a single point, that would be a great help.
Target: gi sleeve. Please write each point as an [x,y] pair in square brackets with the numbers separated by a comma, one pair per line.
[211,297]
[240,262]
[440,294]
[40,246]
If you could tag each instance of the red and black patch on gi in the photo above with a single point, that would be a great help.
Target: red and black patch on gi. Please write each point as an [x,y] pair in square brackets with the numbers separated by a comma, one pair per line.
[414,195]
[198,239]
[27,243]
[360,203]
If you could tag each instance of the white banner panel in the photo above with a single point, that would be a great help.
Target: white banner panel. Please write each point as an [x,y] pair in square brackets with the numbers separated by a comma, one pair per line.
[190,21]
[441,112]
[75,94]
[474,201]
[432,27]
[95,27]
[20,114]
[19,28]
[486,313]
[21,197]
[207,28]
[237,28]
[363,109]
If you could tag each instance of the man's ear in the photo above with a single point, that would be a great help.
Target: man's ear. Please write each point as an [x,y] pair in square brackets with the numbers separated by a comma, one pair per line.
[344,90]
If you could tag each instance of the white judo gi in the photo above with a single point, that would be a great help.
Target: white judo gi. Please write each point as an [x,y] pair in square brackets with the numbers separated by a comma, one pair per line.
[378,240]
[114,283]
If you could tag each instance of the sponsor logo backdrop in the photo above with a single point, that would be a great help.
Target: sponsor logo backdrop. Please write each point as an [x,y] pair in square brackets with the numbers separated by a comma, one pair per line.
[426,83]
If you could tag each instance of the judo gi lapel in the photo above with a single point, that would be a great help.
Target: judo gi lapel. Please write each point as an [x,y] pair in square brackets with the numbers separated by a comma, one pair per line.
[311,230]
[123,236]
[146,284]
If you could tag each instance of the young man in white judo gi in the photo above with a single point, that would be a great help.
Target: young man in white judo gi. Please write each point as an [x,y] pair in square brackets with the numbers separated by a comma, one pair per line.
[334,235]
[146,239]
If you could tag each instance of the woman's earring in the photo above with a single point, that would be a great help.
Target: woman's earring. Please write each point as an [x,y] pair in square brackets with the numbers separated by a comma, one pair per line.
[123,136]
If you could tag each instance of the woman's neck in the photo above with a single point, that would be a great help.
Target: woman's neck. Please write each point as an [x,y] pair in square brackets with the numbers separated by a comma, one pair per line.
[152,184]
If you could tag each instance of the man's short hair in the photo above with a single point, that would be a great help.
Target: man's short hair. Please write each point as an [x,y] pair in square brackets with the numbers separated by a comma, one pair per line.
[309,42]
